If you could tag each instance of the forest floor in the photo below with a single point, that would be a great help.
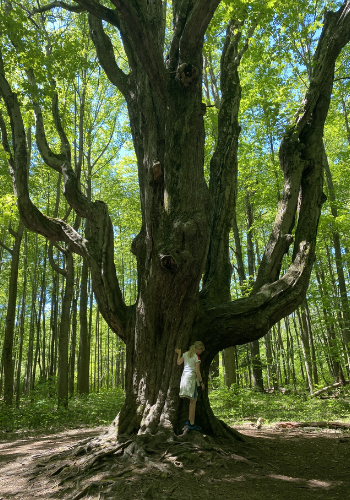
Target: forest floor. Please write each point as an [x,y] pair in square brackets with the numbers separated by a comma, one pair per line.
[273,463]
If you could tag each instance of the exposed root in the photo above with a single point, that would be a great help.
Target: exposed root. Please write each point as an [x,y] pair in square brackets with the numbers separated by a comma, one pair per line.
[110,467]
[320,424]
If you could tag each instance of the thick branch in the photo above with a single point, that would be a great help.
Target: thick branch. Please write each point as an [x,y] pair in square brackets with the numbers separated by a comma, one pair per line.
[60,162]
[53,229]
[98,250]
[334,36]
[95,8]
[134,28]
[53,264]
[51,159]
[53,5]
[250,318]
[301,148]
[223,169]
[179,21]
[65,146]
[105,54]
[196,25]
[4,139]
[6,247]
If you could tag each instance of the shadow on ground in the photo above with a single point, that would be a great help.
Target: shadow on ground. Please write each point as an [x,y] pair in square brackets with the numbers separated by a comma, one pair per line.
[274,464]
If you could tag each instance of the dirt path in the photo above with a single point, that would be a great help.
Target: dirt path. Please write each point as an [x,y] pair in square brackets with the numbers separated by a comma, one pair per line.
[17,456]
[274,464]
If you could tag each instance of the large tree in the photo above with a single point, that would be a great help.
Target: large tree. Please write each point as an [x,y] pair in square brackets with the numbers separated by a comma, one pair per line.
[182,249]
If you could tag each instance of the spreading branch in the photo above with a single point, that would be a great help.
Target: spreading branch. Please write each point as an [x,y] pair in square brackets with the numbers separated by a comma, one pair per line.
[6,248]
[60,162]
[53,264]
[99,249]
[189,29]
[136,32]
[106,57]
[195,28]
[273,298]
[72,8]
[299,154]
[224,167]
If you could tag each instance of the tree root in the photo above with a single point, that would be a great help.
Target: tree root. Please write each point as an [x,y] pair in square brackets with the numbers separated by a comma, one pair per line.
[321,424]
[105,465]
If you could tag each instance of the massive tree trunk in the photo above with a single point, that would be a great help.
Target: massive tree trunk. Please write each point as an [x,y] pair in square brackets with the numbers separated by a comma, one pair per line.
[185,224]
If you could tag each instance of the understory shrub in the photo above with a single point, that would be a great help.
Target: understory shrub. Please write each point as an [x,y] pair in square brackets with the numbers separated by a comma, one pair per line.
[39,411]
[236,405]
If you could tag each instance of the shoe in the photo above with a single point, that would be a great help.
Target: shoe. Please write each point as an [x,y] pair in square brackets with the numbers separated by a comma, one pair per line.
[194,427]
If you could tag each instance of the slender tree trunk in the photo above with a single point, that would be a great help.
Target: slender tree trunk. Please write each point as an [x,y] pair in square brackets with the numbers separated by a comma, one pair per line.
[332,341]
[306,349]
[117,369]
[29,364]
[229,355]
[108,360]
[84,344]
[305,308]
[73,347]
[7,349]
[271,365]
[22,320]
[38,321]
[122,370]
[64,332]
[258,382]
[338,259]
[1,376]
[53,325]
[286,325]
[292,358]
[282,352]
[299,348]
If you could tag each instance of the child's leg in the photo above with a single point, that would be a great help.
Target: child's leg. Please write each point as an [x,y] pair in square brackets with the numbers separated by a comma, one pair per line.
[192,411]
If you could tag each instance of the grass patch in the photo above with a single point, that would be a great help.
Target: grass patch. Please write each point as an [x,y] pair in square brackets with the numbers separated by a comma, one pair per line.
[236,406]
[39,411]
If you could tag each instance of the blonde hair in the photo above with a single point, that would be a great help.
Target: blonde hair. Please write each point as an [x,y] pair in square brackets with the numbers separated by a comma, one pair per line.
[197,345]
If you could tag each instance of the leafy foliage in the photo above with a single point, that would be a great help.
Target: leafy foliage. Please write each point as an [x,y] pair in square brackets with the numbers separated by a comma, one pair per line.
[39,411]
[237,405]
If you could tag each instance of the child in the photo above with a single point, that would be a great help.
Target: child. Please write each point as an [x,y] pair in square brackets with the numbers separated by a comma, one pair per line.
[190,375]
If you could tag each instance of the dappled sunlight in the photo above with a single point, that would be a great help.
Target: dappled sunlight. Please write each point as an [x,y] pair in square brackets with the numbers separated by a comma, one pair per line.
[310,483]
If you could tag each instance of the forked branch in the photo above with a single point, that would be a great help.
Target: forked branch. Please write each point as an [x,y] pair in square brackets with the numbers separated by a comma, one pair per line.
[298,151]
[106,57]
[99,249]
[137,33]
[301,157]
[52,5]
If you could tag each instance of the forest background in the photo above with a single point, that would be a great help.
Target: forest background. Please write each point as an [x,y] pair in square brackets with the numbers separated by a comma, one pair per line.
[46,291]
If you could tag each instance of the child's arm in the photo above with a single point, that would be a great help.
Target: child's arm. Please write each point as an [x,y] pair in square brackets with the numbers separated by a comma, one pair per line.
[199,376]
[179,358]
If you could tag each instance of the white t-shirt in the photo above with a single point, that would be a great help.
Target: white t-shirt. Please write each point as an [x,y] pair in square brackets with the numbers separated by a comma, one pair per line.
[190,363]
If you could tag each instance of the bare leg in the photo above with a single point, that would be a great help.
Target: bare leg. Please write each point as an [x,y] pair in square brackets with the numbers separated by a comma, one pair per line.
[192,411]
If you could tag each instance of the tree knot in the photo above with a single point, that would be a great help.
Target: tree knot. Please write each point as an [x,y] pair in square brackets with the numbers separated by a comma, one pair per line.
[188,74]
[169,263]
[157,170]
